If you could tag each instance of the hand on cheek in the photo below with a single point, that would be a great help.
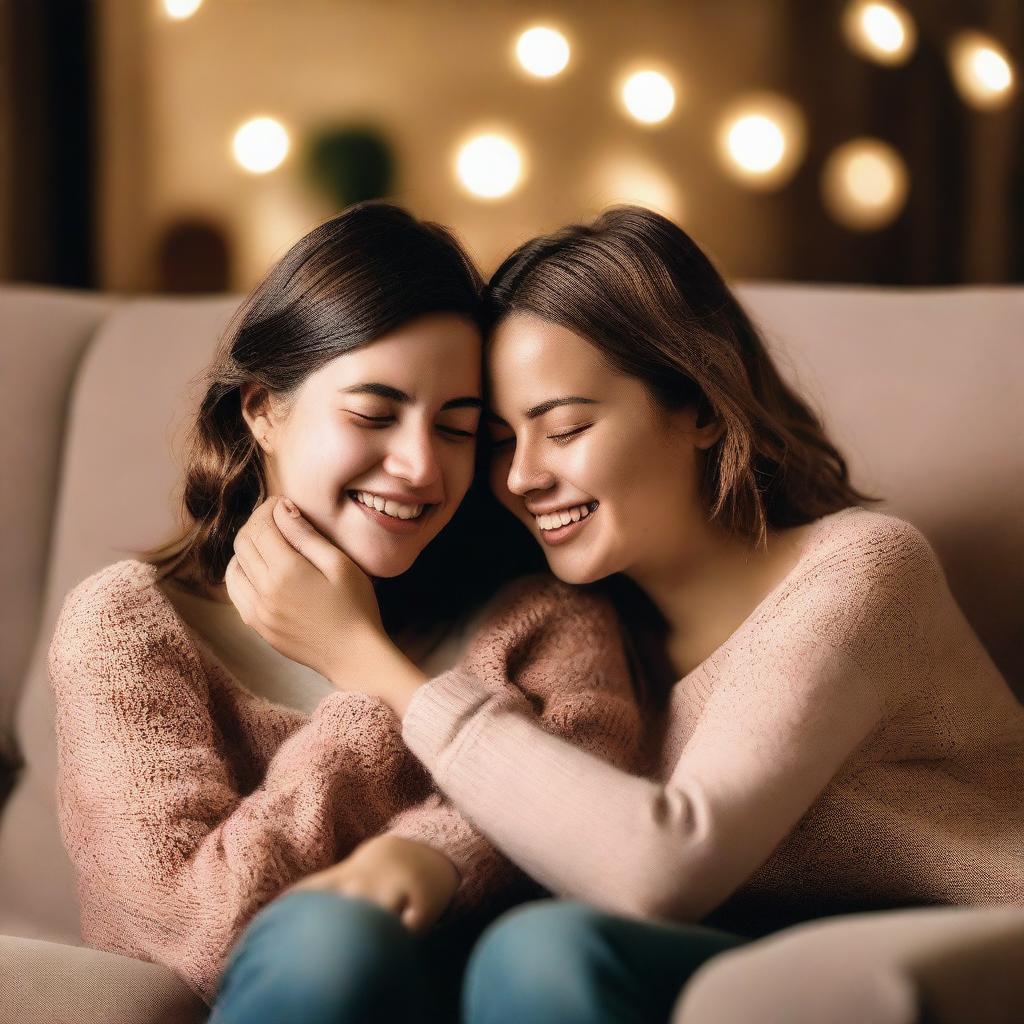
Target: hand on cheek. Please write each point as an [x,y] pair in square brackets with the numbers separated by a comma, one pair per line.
[300,592]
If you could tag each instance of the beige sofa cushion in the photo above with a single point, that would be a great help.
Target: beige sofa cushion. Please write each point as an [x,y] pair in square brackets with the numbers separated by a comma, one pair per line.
[49,983]
[923,390]
[943,965]
[128,405]
[45,331]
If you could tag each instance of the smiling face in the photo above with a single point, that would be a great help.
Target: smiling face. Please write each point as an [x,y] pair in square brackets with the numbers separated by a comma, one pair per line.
[393,419]
[626,470]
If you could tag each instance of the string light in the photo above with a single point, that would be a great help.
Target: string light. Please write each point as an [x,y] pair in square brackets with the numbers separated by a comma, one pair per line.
[981,70]
[648,96]
[761,140]
[880,30]
[865,184]
[489,166]
[542,52]
[628,178]
[260,145]
[179,10]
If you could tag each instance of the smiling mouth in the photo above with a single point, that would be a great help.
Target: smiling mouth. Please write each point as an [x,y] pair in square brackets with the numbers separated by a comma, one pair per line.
[551,520]
[424,508]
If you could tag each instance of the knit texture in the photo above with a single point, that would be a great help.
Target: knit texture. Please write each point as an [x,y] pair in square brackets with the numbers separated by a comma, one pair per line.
[186,802]
[851,745]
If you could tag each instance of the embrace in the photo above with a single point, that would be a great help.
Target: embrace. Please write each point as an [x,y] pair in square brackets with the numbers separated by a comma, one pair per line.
[527,656]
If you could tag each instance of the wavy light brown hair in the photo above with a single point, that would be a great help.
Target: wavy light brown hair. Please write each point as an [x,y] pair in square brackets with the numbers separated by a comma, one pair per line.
[638,288]
[353,279]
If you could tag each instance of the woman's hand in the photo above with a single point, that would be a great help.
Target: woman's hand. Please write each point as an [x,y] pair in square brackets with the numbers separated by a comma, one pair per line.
[313,604]
[300,592]
[414,881]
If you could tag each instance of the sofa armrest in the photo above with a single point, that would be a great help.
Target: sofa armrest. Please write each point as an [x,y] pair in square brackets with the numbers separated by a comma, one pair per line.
[47,982]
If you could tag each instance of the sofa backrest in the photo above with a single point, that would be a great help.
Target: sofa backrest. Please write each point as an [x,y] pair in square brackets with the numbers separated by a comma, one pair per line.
[128,406]
[43,333]
[922,390]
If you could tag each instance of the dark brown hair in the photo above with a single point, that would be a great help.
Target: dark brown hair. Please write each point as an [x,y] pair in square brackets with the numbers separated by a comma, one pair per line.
[353,279]
[637,287]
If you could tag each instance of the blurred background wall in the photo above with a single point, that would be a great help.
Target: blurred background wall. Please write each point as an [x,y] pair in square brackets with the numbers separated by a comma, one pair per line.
[179,145]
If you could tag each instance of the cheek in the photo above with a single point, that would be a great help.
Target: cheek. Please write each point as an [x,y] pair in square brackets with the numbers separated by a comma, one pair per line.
[324,461]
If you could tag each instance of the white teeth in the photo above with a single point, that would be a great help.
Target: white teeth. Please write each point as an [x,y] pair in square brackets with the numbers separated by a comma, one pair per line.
[388,507]
[553,520]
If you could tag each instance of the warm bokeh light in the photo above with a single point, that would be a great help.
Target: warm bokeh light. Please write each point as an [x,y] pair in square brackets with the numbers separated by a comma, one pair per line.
[981,70]
[881,31]
[542,52]
[489,166]
[626,178]
[865,184]
[761,140]
[181,9]
[260,145]
[648,96]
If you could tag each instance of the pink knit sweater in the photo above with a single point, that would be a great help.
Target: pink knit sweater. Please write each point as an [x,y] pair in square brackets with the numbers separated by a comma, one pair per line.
[187,802]
[850,745]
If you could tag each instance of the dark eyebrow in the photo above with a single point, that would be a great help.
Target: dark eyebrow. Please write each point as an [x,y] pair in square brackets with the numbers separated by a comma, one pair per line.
[551,403]
[387,391]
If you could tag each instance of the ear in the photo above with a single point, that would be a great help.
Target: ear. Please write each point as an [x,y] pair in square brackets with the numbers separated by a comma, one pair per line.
[258,414]
[708,428]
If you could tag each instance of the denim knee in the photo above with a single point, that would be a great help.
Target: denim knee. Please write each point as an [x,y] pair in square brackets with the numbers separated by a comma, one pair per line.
[536,963]
[319,957]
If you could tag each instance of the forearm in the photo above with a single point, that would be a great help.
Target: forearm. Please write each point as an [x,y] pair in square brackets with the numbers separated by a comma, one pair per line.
[374,665]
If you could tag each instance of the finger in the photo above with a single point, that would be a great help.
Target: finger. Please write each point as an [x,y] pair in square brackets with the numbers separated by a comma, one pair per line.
[303,538]
[413,916]
[258,518]
[240,590]
[278,554]
[251,561]
[388,897]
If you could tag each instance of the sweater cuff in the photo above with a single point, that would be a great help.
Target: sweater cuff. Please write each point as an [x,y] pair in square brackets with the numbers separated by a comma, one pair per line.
[443,713]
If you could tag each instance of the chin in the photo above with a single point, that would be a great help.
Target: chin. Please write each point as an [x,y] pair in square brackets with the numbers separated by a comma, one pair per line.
[577,574]
[383,568]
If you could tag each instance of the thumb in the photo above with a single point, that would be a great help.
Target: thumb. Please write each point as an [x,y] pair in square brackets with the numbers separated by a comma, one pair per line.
[412,914]
[302,536]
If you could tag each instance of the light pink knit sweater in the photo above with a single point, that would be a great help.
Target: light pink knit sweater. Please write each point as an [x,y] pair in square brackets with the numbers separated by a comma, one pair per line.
[186,802]
[850,745]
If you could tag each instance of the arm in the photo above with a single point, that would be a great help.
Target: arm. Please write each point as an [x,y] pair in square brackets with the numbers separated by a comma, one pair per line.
[784,714]
[585,700]
[173,855]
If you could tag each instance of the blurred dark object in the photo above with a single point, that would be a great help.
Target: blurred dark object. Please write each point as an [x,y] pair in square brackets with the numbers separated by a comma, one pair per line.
[48,94]
[193,256]
[351,164]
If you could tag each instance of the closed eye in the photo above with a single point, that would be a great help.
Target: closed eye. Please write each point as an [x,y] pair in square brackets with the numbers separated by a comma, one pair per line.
[383,420]
[566,437]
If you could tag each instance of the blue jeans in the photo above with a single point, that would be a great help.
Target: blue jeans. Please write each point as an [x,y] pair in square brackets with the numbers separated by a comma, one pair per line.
[557,962]
[315,957]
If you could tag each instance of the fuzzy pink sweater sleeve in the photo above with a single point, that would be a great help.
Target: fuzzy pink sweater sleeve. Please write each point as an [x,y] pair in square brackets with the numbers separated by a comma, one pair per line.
[758,733]
[554,652]
[173,853]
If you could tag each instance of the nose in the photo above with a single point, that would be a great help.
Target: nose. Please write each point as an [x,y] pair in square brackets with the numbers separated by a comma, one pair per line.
[526,474]
[412,456]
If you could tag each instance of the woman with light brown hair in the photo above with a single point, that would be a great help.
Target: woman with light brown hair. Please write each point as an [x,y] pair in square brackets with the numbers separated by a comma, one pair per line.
[825,731]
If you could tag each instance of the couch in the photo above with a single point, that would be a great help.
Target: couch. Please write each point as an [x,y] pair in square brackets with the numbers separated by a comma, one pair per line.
[923,390]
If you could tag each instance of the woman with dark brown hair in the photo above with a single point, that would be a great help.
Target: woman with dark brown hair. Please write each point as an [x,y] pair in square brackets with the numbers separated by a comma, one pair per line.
[203,774]
[825,731]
